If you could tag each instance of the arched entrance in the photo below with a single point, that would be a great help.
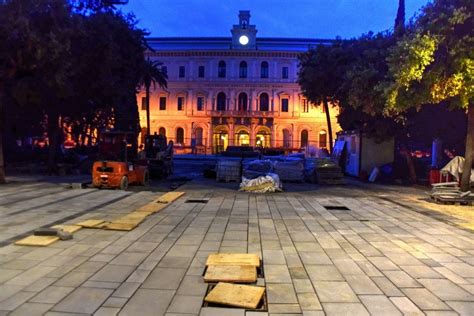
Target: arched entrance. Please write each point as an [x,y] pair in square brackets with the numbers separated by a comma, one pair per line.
[304,138]
[286,138]
[220,138]
[242,136]
[263,137]
[221,101]
[323,143]
[179,136]
[199,133]
[242,101]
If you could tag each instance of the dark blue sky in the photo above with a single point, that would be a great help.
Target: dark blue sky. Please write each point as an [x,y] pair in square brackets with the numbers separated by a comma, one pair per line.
[274,18]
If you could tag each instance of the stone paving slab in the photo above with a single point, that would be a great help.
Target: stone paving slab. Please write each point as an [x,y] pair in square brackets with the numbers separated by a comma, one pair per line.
[378,258]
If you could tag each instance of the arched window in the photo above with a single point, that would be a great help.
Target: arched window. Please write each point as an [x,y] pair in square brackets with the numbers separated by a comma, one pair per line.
[162,131]
[264,70]
[242,102]
[243,69]
[323,139]
[304,138]
[264,102]
[199,133]
[286,138]
[221,101]
[180,136]
[221,69]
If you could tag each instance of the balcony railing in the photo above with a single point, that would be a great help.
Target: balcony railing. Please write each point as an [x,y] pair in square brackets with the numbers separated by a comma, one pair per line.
[241,113]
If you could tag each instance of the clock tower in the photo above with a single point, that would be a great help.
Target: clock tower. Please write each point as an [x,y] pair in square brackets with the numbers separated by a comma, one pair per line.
[244,34]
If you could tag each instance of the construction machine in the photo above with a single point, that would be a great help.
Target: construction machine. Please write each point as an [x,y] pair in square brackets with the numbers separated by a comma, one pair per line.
[118,165]
[158,155]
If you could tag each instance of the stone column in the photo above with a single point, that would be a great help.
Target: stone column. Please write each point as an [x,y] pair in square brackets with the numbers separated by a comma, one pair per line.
[273,135]
[209,136]
[189,103]
[295,103]
[231,131]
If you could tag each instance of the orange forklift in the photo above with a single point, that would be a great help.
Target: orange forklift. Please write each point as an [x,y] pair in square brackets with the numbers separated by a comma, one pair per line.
[117,166]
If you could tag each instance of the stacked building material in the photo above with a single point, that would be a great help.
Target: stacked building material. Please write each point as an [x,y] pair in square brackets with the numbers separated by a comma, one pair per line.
[328,172]
[291,169]
[228,169]
[450,193]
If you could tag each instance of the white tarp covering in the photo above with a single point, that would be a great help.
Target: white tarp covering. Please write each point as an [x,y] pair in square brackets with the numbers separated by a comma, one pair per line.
[269,183]
[454,167]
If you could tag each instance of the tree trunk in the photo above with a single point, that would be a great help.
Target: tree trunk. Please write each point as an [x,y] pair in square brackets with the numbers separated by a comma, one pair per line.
[2,164]
[328,120]
[53,135]
[147,100]
[466,170]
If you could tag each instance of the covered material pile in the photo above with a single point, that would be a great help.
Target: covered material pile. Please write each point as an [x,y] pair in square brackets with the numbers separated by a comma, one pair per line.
[256,168]
[328,172]
[268,183]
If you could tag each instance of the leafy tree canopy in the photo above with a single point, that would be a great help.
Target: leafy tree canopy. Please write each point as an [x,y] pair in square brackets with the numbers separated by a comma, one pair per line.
[434,61]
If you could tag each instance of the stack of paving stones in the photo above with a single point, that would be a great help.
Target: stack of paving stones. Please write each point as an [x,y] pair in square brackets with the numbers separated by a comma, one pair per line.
[379,258]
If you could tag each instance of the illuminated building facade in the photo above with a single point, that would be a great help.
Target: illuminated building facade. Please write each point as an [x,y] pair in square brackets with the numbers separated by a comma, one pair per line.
[239,90]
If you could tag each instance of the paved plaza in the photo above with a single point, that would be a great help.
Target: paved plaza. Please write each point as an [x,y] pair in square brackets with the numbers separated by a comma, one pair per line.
[385,255]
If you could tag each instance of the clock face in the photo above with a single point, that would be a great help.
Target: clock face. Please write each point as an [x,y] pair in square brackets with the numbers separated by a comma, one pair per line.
[244,40]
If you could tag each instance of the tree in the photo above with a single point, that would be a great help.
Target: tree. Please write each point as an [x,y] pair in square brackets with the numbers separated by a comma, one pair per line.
[70,63]
[399,26]
[321,77]
[152,73]
[362,106]
[434,62]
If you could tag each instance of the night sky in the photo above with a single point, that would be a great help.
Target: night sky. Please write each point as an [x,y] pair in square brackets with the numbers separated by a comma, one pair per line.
[274,18]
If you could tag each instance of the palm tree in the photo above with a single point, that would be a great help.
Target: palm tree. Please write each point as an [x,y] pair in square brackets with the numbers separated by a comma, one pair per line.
[152,74]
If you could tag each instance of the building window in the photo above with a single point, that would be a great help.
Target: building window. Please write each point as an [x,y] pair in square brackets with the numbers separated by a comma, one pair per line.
[164,69]
[284,73]
[264,102]
[221,69]
[200,103]
[242,101]
[221,101]
[284,105]
[162,131]
[162,103]
[243,69]
[264,70]
[201,72]
[180,103]
[180,136]
[143,103]
[304,138]
[286,138]
[181,71]
[305,105]
[323,139]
